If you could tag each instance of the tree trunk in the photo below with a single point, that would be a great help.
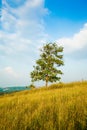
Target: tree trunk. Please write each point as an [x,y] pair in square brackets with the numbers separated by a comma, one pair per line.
[46,81]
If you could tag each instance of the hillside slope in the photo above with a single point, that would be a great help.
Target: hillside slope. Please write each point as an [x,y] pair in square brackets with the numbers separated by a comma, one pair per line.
[52,108]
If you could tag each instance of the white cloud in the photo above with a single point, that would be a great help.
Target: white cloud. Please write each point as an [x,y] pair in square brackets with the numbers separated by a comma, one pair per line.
[22,26]
[11,77]
[75,43]
[13,43]
[10,71]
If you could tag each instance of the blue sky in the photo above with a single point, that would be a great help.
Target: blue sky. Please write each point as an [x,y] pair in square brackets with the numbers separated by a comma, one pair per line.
[25,25]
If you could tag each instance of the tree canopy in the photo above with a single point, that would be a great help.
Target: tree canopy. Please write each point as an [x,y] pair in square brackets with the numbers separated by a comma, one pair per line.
[47,65]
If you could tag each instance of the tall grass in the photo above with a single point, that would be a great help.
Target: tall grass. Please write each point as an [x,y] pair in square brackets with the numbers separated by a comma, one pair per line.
[52,108]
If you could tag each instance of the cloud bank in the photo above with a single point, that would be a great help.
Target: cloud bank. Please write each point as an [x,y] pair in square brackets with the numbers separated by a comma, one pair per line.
[22,32]
[78,42]
[22,25]
[22,29]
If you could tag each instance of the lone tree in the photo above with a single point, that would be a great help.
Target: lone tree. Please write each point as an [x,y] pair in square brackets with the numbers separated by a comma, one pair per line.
[46,68]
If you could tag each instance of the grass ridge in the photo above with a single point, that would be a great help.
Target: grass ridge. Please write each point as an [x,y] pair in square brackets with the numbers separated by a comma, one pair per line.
[58,107]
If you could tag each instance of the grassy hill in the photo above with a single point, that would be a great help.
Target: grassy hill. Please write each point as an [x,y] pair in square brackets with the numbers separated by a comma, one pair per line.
[58,107]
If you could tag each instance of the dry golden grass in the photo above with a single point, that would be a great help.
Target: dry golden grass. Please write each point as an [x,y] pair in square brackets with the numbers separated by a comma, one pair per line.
[58,107]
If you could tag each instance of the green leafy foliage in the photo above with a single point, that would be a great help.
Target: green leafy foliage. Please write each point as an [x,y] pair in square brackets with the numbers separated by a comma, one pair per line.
[46,68]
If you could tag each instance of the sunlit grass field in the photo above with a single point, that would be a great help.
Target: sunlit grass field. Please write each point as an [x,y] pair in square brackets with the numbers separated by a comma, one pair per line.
[58,107]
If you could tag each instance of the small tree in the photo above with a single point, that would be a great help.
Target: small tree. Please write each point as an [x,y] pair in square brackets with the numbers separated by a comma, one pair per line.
[46,67]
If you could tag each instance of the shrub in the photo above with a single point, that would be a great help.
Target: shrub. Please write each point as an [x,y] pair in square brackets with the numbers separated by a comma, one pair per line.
[56,86]
[31,86]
